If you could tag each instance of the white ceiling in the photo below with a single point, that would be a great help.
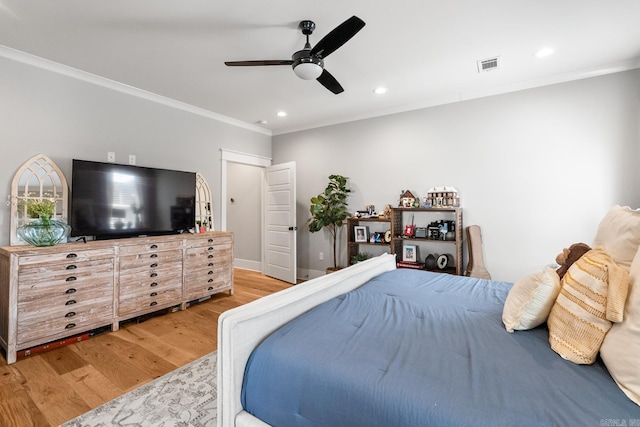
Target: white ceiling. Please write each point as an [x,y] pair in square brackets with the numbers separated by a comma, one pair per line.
[423,51]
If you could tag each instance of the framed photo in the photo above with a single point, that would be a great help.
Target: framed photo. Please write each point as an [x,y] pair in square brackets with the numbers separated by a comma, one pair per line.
[360,233]
[410,253]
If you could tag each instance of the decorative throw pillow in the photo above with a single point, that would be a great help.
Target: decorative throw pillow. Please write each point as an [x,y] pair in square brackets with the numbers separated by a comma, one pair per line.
[619,234]
[530,300]
[593,295]
[620,350]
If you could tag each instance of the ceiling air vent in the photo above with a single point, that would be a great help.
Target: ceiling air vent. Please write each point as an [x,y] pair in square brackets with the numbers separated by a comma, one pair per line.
[488,64]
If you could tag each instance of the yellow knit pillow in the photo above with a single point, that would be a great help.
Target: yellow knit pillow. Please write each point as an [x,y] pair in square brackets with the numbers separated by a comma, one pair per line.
[592,296]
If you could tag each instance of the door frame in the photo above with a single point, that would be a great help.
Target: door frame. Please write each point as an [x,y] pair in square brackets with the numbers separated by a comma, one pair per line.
[262,162]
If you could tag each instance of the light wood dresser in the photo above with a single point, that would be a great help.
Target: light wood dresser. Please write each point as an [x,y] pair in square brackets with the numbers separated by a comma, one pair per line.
[50,293]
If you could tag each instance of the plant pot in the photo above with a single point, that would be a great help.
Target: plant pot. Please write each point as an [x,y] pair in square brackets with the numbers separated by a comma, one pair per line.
[43,232]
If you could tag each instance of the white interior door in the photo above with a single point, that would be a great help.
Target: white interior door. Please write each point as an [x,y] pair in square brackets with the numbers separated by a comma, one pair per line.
[280,222]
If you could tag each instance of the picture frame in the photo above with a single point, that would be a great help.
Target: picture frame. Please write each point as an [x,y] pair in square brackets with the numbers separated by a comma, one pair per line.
[360,234]
[410,253]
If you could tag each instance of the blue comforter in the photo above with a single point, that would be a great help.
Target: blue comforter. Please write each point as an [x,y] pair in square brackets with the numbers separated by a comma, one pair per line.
[412,348]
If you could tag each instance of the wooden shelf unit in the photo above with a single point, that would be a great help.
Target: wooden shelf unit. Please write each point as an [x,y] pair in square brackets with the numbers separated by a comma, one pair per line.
[51,293]
[353,247]
[422,217]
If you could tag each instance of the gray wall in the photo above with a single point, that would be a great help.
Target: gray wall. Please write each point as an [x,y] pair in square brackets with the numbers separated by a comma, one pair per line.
[244,214]
[536,169]
[64,117]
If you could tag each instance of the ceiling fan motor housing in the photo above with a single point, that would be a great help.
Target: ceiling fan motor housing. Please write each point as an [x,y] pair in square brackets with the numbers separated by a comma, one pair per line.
[307,66]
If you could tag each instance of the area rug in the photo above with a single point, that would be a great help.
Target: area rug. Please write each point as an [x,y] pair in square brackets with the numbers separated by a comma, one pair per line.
[184,397]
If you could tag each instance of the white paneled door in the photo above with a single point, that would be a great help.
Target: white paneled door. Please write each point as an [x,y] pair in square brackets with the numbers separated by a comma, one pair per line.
[280,222]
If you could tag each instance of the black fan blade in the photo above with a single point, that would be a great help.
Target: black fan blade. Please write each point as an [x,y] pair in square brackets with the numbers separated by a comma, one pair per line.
[330,82]
[337,37]
[258,63]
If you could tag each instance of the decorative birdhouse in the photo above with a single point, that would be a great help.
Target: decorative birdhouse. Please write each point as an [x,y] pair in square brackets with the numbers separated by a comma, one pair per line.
[407,199]
[442,197]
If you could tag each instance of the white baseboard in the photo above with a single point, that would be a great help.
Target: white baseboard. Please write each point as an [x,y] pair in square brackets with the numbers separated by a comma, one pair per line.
[247,264]
[305,274]
[301,275]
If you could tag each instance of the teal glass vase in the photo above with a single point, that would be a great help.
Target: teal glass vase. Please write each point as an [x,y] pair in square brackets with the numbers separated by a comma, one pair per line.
[43,232]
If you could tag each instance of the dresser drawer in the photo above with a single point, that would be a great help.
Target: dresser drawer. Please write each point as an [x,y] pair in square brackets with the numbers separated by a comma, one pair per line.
[199,283]
[208,275]
[38,282]
[196,257]
[150,261]
[65,300]
[61,323]
[208,241]
[132,304]
[150,247]
[72,256]
[159,279]
[216,262]
[61,306]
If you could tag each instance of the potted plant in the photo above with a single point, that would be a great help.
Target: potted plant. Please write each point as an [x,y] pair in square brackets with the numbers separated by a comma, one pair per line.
[329,209]
[360,256]
[43,209]
[42,231]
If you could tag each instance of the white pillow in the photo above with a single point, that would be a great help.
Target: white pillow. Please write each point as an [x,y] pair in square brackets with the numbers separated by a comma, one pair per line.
[620,349]
[530,300]
[619,233]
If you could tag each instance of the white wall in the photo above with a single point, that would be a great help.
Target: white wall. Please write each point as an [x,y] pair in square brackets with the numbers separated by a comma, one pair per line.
[536,169]
[64,117]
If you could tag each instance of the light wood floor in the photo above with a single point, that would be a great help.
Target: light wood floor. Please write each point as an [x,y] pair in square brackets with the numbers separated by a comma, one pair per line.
[50,388]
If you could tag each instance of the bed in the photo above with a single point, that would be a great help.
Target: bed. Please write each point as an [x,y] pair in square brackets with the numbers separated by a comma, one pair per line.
[377,346]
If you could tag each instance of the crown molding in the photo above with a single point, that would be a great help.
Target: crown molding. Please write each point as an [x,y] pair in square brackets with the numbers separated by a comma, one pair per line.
[65,70]
[613,68]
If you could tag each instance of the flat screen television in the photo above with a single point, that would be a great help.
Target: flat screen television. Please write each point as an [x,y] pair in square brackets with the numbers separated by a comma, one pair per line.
[110,200]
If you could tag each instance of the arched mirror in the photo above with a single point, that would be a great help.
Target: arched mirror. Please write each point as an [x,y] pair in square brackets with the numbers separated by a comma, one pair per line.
[38,178]
[204,203]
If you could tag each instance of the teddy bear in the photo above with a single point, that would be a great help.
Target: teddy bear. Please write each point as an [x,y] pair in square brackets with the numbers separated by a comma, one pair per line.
[570,255]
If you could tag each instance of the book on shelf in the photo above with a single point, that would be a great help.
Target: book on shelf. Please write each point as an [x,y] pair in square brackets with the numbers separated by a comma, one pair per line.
[409,264]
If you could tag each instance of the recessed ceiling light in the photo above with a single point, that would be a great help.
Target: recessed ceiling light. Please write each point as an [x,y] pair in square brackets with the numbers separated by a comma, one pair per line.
[262,122]
[544,52]
[282,114]
[380,90]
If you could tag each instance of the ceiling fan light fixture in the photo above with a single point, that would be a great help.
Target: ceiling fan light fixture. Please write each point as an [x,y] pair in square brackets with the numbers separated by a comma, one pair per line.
[307,70]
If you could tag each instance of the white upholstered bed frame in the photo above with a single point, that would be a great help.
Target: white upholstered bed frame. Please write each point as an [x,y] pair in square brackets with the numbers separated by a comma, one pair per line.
[241,329]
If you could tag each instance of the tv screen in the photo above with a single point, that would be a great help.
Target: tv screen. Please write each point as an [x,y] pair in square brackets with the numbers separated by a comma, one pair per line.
[109,200]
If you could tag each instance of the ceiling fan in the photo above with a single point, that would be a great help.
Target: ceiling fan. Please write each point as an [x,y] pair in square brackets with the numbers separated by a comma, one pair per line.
[308,63]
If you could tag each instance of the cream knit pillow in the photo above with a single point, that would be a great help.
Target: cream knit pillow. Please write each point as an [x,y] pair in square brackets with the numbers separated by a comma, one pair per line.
[621,347]
[530,300]
[593,294]
[619,234]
